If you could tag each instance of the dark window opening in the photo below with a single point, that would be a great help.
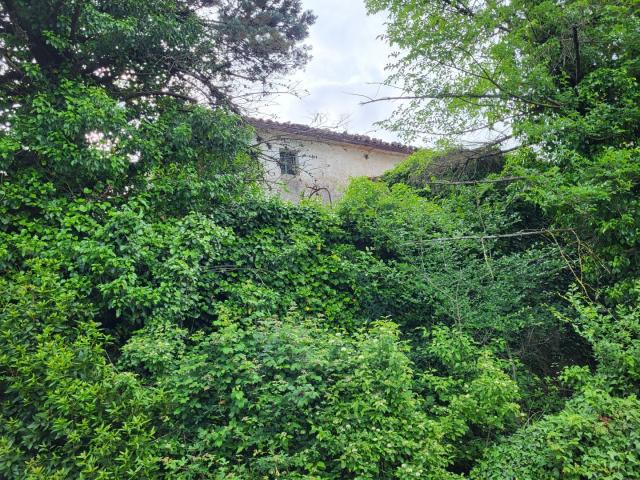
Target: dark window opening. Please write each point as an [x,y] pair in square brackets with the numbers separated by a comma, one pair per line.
[288,162]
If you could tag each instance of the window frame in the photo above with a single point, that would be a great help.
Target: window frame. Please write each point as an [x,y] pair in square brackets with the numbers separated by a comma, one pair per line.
[288,162]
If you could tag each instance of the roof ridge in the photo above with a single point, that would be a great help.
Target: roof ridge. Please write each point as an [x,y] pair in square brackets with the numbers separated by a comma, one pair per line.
[324,133]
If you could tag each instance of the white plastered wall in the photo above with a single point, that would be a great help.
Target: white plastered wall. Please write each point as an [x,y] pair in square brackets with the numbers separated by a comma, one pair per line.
[325,167]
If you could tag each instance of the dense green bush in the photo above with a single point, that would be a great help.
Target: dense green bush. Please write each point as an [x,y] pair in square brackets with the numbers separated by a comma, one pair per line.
[187,307]
[595,436]
[66,410]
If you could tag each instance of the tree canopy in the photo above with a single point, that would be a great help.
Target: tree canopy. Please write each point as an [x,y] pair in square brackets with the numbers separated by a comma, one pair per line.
[186,49]
[557,71]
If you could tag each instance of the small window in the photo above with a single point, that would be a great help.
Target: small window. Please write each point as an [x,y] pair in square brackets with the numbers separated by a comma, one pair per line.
[288,162]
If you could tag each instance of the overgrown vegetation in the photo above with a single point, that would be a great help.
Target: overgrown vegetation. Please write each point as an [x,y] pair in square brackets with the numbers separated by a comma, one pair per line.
[471,315]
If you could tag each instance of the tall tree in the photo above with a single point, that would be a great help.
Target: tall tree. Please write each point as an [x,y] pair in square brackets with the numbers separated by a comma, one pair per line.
[96,93]
[167,47]
[569,66]
[564,76]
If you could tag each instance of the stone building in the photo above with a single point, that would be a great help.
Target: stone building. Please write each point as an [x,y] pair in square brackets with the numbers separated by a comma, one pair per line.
[302,161]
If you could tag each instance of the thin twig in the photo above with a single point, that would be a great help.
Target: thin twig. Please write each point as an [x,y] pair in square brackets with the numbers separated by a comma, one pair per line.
[475,182]
[522,233]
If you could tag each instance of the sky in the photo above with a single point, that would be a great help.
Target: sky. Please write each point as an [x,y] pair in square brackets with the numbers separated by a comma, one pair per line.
[348,59]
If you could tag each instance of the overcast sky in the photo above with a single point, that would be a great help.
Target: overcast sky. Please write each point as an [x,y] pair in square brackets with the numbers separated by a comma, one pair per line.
[347,59]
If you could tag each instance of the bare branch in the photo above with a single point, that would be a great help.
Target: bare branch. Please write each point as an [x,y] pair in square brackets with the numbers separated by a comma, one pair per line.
[76,19]
[159,93]
[435,96]
[576,47]
[460,8]
[475,182]
[522,233]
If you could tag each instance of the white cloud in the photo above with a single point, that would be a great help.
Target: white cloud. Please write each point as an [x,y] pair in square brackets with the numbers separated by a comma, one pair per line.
[348,59]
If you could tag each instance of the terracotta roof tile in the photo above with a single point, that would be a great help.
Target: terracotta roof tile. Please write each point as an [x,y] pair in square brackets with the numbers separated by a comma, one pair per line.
[325,134]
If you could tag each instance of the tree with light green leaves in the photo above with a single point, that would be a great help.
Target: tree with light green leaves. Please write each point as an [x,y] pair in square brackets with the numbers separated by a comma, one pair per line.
[564,77]
[543,67]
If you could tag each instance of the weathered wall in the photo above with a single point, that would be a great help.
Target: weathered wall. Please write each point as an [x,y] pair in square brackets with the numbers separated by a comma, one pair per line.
[325,166]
